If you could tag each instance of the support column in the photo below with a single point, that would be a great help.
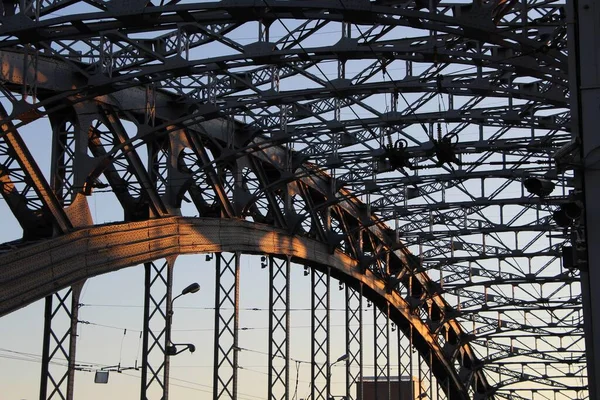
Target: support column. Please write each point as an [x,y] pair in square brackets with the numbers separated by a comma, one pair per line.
[279,328]
[354,338]
[227,295]
[320,370]
[425,378]
[381,350]
[404,363]
[64,132]
[157,305]
[584,77]
[59,344]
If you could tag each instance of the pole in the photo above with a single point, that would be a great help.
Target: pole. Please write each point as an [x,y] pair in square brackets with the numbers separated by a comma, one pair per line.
[584,77]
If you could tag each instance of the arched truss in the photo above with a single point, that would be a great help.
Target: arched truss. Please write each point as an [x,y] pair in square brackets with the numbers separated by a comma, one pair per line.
[402,140]
[36,272]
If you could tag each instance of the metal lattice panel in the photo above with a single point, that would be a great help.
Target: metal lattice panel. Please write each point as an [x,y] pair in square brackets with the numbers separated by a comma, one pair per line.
[408,136]
[279,328]
[381,346]
[320,339]
[59,344]
[354,340]
[226,326]
[157,306]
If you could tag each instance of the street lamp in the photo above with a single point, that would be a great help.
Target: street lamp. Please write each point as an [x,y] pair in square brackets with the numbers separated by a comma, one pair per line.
[191,288]
[171,349]
[343,357]
[539,187]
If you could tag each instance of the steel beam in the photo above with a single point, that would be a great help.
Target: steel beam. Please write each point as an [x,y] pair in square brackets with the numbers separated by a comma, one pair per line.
[111,119]
[59,344]
[226,348]
[381,351]
[404,360]
[64,138]
[320,365]
[31,176]
[158,282]
[279,329]
[354,340]
[584,67]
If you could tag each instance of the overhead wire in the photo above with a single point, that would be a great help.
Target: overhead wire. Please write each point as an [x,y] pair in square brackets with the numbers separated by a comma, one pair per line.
[243,328]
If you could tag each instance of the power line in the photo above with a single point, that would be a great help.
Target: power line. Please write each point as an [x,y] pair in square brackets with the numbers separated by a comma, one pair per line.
[214,308]
[249,328]
[38,359]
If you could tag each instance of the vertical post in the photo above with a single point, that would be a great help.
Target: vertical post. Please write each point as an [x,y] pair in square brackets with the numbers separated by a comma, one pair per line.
[75,296]
[320,369]
[226,326]
[279,328]
[46,347]
[430,375]
[30,73]
[387,346]
[150,112]
[404,362]
[169,319]
[157,305]
[381,349]
[59,344]
[584,77]
[411,364]
[63,157]
[145,329]
[422,376]
[354,343]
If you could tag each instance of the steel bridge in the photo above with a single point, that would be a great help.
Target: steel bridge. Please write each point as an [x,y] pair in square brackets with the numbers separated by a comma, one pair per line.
[433,157]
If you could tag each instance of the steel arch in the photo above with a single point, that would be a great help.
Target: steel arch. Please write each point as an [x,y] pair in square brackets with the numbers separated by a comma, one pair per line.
[40,270]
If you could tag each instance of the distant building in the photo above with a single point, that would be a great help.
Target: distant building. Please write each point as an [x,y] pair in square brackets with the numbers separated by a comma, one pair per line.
[399,388]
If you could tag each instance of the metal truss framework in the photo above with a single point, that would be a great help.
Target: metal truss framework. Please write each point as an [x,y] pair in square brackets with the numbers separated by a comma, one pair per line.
[430,143]
[59,344]
[158,283]
[320,337]
[225,379]
[354,340]
[279,328]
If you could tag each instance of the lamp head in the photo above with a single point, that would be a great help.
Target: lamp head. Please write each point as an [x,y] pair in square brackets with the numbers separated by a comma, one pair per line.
[192,288]
[539,187]
[342,358]
[172,349]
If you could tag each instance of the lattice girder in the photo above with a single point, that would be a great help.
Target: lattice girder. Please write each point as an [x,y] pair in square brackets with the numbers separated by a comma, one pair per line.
[261,132]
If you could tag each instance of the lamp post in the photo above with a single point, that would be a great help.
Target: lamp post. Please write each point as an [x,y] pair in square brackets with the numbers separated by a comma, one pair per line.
[171,349]
[341,358]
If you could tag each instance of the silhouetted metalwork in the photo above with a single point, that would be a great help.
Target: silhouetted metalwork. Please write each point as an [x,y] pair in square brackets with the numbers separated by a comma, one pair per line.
[59,344]
[279,328]
[158,282]
[226,326]
[320,339]
[430,156]
[354,340]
